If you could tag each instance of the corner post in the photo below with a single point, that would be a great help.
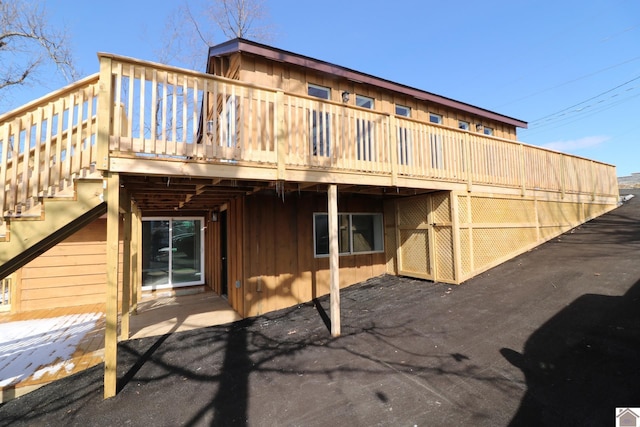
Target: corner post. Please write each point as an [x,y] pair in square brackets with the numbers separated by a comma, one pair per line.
[278,118]
[523,175]
[105,112]
[113,255]
[136,258]
[393,148]
[334,266]
[126,270]
[468,162]
[562,176]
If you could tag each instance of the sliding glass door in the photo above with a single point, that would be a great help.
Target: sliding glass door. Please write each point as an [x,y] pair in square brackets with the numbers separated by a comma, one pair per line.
[172,252]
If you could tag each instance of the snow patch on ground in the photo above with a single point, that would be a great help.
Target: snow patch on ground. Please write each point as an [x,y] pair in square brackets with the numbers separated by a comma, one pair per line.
[43,346]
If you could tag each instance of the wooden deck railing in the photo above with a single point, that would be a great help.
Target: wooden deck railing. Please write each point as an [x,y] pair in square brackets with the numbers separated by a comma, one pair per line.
[46,144]
[148,110]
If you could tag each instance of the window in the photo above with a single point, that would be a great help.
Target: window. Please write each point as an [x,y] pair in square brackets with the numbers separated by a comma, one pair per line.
[401,110]
[463,125]
[435,143]
[319,91]
[319,123]
[228,120]
[364,102]
[404,141]
[357,233]
[365,131]
[172,252]
[488,131]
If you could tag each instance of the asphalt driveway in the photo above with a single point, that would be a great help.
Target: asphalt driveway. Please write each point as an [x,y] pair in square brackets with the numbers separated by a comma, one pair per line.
[549,338]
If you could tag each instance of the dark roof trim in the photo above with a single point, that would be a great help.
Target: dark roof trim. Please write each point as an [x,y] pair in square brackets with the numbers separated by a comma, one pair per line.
[242,45]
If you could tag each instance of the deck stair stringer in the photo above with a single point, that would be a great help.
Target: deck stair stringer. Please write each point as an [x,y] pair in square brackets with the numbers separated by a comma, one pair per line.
[27,237]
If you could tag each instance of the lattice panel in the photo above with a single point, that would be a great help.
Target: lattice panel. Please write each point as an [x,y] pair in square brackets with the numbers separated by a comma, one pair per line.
[441,207]
[414,251]
[502,211]
[463,209]
[444,253]
[553,213]
[493,244]
[465,252]
[593,210]
[412,213]
[547,233]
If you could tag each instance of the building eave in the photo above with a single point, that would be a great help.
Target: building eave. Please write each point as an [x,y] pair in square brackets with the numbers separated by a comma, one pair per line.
[275,54]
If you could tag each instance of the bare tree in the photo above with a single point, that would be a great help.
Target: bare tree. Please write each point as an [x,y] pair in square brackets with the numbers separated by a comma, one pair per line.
[192,27]
[241,18]
[28,42]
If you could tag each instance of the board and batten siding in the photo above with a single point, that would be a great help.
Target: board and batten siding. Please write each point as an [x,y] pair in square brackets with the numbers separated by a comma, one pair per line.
[293,79]
[280,267]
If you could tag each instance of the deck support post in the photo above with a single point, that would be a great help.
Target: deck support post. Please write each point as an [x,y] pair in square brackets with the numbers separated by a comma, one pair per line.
[136,258]
[334,267]
[126,271]
[105,108]
[394,143]
[113,248]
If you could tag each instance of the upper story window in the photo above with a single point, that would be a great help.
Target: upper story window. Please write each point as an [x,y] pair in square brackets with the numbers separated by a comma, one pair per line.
[401,110]
[488,131]
[319,91]
[364,101]
[435,118]
[463,125]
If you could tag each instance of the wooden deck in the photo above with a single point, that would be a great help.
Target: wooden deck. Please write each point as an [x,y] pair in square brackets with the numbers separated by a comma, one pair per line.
[149,120]
[157,316]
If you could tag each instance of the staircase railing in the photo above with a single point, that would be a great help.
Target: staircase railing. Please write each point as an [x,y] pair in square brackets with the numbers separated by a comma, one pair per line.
[45,145]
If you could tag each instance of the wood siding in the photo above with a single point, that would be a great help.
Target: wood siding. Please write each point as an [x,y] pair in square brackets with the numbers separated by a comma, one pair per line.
[280,267]
[72,273]
[294,80]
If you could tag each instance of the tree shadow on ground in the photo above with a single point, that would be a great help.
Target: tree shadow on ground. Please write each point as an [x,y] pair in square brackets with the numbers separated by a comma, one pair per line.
[582,363]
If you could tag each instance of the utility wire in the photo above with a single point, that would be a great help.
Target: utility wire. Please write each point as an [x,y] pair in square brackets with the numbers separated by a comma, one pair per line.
[571,81]
[587,100]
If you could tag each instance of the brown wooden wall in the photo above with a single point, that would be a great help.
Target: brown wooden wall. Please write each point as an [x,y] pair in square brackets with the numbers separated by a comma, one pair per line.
[294,79]
[280,268]
[71,273]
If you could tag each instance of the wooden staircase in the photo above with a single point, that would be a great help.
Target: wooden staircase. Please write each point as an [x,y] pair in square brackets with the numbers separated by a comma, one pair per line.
[25,237]
[50,185]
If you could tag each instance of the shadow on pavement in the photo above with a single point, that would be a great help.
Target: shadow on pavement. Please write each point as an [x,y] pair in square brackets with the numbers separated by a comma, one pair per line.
[582,363]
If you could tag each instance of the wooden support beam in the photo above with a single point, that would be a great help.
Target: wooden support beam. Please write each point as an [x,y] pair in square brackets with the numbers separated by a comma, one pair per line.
[334,267]
[393,147]
[105,108]
[126,271]
[136,257]
[280,133]
[113,248]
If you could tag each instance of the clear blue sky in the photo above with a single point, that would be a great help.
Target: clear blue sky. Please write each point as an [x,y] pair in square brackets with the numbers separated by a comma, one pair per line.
[570,68]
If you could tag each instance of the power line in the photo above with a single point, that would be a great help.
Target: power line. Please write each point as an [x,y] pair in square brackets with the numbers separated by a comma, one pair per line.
[569,120]
[550,116]
[571,81]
